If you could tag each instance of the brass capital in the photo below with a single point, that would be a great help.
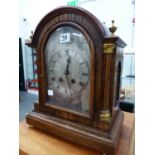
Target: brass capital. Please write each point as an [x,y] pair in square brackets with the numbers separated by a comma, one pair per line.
[105,116]
[109,48]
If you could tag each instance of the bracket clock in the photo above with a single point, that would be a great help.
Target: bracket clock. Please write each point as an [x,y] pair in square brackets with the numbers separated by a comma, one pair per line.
[79,70]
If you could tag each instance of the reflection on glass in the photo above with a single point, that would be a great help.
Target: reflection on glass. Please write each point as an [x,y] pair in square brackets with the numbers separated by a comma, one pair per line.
[67,58]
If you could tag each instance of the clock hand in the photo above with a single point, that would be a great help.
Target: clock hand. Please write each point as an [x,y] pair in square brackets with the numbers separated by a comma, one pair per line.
[69,86]
[66,75]
[67,67]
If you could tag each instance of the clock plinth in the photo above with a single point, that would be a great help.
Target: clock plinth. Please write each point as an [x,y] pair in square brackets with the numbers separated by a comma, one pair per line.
[79,74]
[105,142]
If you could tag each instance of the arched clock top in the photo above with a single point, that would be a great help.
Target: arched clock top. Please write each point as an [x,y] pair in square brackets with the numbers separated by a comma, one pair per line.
[76,15]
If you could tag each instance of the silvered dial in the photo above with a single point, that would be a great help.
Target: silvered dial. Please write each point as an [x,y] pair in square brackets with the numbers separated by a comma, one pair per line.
[69,73]
[67,62]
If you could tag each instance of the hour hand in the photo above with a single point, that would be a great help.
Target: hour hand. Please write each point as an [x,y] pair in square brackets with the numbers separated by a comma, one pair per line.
[67,67]
[66,70]
[69,60]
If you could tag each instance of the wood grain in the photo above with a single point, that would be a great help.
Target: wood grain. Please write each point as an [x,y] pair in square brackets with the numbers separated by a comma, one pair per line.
[104,91]
[102,77]
[33,141]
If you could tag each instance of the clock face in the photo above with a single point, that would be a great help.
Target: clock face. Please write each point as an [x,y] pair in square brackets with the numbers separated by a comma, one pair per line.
[67,58]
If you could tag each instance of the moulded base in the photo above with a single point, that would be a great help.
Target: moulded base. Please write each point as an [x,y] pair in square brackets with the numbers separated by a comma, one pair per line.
[87,136]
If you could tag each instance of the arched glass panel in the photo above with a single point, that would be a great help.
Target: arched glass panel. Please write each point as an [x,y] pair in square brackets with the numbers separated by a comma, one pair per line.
[67,59]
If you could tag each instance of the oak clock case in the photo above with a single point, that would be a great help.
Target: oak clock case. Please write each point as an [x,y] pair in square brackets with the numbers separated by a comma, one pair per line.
[79,69]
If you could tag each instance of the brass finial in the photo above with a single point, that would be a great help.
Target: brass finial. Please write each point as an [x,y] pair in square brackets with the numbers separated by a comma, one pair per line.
[113,28]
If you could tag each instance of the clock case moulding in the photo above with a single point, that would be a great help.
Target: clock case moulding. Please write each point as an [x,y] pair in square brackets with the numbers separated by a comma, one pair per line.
[100,129]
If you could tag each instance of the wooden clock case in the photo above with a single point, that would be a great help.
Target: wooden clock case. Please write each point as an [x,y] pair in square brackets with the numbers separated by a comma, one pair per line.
[99,129]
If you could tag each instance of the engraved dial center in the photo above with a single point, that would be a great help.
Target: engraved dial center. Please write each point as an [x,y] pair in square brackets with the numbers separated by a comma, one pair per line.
[71,73]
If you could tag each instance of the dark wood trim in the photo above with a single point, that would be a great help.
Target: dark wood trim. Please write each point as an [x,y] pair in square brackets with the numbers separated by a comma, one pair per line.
[115,39]
[71,11]
[57,108]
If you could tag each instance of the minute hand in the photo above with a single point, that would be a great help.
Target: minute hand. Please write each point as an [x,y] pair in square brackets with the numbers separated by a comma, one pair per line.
[69,87]
[67,73]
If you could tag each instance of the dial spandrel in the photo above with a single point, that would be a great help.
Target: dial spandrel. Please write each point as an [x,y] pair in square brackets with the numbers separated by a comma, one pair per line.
[67,58]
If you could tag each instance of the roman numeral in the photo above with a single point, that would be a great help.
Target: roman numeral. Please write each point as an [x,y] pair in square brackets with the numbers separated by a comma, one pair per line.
[81,84]
[82,63]
[51,69]
[84,74]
